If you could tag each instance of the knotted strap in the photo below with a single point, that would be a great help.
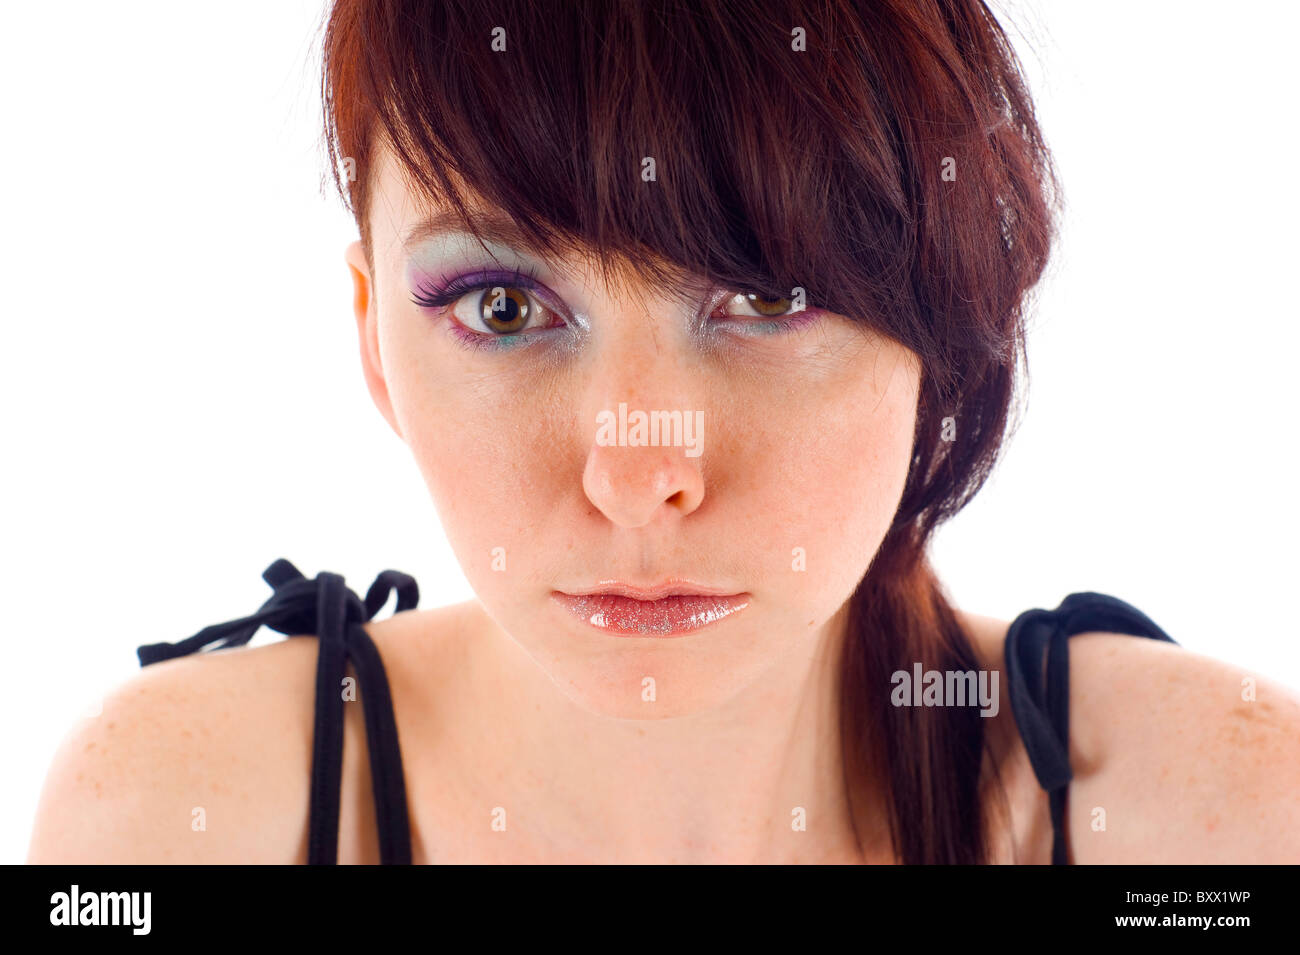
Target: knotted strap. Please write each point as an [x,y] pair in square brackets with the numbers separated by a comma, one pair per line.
[1042,709]
[325,607]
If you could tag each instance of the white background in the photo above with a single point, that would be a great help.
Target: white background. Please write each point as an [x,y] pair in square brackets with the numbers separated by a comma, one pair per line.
[183,401]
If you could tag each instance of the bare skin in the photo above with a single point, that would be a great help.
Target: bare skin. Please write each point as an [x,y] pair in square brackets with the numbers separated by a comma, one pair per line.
[193,733]
[1185,777]
[507,703]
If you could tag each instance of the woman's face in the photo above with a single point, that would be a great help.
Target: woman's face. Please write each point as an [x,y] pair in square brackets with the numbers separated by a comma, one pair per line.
[777,488]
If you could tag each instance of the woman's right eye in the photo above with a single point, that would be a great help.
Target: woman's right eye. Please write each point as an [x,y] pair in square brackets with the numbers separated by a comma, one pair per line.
[489,307]
[498,310]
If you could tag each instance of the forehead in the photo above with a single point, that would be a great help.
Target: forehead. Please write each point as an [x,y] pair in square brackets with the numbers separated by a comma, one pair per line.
[400,214]
[405,222]
[403,218]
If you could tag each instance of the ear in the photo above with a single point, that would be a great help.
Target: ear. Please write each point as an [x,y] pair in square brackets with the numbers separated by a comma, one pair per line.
[363,306]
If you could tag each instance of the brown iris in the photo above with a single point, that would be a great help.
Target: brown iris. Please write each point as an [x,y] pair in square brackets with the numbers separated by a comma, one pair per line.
[505,308]
[767,306]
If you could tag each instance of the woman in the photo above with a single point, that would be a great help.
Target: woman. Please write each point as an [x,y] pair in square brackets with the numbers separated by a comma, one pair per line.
[697,322]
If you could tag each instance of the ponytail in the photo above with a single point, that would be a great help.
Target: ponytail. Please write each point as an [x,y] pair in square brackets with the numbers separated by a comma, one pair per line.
[929,757]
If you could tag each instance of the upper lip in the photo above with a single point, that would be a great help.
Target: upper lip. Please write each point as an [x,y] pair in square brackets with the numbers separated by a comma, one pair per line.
[667,588]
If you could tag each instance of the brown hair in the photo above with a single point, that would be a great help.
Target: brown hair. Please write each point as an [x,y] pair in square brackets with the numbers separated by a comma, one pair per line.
[892,167]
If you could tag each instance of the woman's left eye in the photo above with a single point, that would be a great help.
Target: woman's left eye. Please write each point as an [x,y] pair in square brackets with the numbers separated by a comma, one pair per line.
[761,306]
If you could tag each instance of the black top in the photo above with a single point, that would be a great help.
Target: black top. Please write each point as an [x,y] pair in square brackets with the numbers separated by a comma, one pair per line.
[325,608]
[1042,708]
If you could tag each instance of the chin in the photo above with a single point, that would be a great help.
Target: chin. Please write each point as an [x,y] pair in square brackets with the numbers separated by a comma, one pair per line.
[651,678]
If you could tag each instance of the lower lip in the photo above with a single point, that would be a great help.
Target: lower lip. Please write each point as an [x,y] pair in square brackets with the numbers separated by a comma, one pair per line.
[666,617]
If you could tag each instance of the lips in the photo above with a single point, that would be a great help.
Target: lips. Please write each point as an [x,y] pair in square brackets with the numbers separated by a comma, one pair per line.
[663,611]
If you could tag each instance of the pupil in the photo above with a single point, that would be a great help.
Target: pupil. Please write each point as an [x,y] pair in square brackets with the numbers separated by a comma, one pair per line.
[504,309]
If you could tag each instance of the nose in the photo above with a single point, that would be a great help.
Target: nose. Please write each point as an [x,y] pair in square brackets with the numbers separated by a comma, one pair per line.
[644,427]
[632,486]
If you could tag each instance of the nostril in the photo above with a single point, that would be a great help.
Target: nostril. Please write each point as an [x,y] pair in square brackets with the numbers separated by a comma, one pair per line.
[629,484]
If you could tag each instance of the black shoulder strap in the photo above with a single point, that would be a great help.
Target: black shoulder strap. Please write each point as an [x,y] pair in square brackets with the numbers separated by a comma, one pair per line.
[1042,709]
[325,607]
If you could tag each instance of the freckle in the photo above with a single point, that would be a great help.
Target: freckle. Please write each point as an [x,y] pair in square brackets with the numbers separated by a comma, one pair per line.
[89,747]
[1211,823]
[80,776]
[111,724]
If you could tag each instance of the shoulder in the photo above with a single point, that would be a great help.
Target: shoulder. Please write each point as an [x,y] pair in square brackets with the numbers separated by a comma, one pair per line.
[204,758]
[1177,757]
[207,758]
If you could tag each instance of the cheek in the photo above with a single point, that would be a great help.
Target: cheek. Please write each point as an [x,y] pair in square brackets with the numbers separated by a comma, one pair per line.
[486,460]
[821,490]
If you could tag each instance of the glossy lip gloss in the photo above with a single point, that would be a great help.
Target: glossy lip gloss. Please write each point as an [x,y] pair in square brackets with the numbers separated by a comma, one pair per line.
[660,612]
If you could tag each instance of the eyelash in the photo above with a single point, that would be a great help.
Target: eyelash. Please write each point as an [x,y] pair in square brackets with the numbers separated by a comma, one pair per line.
[460,286]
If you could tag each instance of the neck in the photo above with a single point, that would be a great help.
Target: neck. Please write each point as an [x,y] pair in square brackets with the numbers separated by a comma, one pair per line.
[760,778]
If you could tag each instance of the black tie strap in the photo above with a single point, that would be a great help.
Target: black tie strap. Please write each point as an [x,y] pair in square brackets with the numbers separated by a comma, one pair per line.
[1042,711]
[325,607]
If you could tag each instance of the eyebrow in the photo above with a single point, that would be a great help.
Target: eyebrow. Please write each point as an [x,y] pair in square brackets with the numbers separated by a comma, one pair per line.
[499,228]
[492,227]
